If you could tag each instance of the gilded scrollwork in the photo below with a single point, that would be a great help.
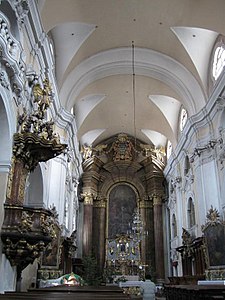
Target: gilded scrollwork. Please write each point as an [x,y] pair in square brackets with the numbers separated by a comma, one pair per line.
[122,148]
[48,225]
[22,252]
[26,222]
[88,198]
[42,96]
[212,218]
[100,203]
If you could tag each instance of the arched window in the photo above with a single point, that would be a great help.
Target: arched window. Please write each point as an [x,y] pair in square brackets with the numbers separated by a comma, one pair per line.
[218,61]
[174,226]
[191,213]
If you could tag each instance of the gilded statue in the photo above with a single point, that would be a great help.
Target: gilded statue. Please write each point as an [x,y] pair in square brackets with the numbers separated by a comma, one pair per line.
[42,96]
[86,151]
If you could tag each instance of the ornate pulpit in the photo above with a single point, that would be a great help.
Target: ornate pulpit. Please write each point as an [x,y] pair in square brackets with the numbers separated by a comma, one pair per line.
[26,231]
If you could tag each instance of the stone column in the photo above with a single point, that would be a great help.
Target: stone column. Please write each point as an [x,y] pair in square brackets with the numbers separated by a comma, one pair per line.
[87,228]
[158,233]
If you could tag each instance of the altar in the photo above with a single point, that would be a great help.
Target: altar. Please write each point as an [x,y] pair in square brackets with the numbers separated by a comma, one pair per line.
[123,256]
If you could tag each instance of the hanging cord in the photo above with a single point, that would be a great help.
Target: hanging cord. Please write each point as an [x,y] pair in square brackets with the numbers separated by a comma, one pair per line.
[134,97]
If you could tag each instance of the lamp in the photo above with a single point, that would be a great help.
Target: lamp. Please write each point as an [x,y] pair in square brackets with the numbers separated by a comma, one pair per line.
[137,227]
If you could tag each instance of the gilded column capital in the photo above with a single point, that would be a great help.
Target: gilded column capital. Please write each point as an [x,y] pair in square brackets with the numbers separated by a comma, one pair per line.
[145,204]
[88,198]
[100,203]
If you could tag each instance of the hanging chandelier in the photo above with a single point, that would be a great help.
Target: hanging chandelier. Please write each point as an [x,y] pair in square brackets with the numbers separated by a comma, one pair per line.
[136,227]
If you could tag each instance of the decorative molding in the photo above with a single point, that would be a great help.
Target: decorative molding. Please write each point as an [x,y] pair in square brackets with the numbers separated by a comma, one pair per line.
[10,58]
[99,203]
[88,198]
[207,147]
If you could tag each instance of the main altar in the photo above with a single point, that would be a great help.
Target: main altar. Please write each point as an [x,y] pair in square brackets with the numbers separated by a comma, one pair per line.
[123,253]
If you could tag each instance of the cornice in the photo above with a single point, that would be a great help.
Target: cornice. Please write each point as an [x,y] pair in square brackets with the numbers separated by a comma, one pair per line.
[195,122]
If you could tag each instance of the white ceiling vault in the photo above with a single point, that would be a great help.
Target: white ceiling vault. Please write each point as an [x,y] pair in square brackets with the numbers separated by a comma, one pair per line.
[92,42]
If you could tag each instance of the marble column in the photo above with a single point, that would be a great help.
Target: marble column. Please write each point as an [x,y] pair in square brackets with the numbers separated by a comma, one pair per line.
[158,233]
[100,232]
[87,228]
[147,245]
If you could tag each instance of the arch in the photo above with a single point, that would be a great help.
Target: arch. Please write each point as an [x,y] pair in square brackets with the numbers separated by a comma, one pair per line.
[190,213]
[132,182]
[34,189]
[8,126]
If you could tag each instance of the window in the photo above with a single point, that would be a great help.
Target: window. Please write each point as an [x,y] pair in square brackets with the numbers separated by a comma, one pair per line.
[191,213]
[218,61]
[183,118]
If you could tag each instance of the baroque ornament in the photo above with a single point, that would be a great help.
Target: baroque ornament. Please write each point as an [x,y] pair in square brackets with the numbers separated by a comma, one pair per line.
[212,218]
[27,231]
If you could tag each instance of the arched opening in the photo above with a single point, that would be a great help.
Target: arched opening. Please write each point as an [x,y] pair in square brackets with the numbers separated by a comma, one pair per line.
[5,157]
[191,213]
[34,189]
[5,144]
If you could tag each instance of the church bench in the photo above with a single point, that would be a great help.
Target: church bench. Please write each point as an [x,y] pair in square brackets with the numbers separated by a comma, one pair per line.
[71,297]
[194,292]
[64,295]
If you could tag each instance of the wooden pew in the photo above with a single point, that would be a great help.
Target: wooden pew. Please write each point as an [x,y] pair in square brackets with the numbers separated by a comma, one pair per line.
[194,292]
[68,293]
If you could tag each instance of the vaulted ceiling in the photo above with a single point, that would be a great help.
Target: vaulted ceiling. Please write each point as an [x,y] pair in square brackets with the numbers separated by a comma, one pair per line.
[94,63]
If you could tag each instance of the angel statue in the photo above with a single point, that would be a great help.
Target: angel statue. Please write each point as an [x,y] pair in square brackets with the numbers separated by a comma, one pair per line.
[42,96]
[86,151]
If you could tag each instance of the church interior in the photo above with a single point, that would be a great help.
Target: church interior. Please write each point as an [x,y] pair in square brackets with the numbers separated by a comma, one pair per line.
[112,144]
